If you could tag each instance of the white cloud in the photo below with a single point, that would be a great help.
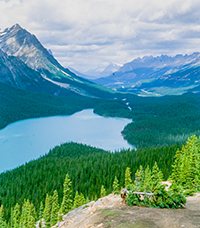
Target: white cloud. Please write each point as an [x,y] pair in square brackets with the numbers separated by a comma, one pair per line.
[88,34]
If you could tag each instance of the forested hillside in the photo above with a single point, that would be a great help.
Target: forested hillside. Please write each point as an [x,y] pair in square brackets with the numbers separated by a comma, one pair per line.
[158,121]
[89,168]
[16,104]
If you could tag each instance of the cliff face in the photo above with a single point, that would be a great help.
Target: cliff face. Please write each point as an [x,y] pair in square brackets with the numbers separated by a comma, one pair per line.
[16,73]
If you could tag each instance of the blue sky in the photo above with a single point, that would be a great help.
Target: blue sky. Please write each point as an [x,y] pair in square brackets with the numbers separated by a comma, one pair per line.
[86,34]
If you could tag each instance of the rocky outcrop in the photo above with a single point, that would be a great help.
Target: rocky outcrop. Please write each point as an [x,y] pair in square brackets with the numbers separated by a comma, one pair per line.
[82,216]
[110,212]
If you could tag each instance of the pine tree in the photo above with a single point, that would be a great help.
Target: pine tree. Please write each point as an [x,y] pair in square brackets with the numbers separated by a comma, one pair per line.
[87,200]
[28,215]
[55,208]
[2,220]
[197,183]
[156,176]
[47,211]
[139,179]
[116,186]
[147,180]
[103,191]
[41,210]
[15,216]
[82,199]
[32,215]
[67,194]
[77,200]
[175,176]
[186,167]
[128,180]
[25,214]
[194,171]
[11,225]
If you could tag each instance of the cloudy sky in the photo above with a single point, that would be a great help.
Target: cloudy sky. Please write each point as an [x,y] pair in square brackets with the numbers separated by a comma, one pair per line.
[86,34]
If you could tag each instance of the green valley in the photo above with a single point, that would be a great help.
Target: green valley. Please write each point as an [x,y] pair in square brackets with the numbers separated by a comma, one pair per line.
[157,121]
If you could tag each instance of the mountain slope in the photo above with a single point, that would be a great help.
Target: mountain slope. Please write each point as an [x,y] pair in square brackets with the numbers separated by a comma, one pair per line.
[16,73]
[184,80]
[17,104]
[156,75]
[91,166]
[17,42]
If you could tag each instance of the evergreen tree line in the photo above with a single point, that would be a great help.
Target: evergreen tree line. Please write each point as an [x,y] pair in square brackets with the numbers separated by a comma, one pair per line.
[163,121]
[149,183]
[157,121]
[50,213]
[185,179]
[186,167]
[88,168]
[16,104]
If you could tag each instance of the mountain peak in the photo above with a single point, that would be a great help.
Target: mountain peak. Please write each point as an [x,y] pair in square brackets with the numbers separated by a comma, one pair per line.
[29,53]
[16,27]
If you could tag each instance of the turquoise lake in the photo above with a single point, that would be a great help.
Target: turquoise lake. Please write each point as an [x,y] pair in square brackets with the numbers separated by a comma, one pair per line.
[29,139]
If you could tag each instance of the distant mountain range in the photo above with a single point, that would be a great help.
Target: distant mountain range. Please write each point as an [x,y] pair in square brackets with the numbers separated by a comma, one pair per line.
[155,76]
[26,64]
[98,72]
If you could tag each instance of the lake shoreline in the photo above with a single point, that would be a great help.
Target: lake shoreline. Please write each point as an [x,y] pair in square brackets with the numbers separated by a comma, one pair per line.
[83,127]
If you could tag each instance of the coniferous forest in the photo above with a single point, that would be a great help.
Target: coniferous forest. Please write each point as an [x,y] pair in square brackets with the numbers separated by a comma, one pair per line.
[72,174]
[88,168]
[157,121]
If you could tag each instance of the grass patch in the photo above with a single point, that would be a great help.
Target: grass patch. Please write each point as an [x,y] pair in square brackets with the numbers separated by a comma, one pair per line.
[108,213]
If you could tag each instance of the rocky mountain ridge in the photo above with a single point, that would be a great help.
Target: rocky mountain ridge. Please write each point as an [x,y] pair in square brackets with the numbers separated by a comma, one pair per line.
[161,75]
[26,64]
[16,73]
[28,52]
[93,74]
